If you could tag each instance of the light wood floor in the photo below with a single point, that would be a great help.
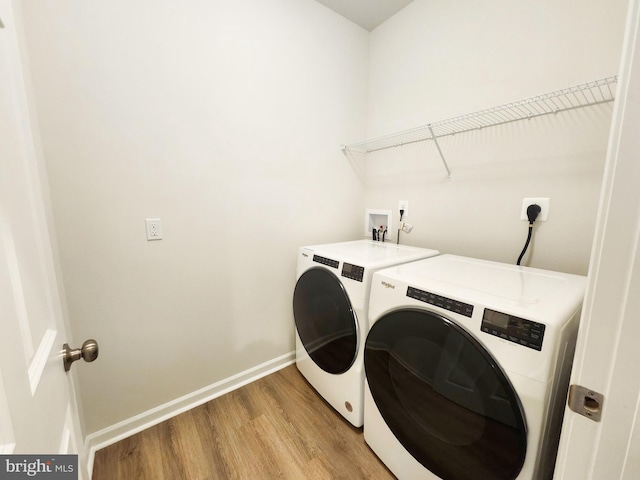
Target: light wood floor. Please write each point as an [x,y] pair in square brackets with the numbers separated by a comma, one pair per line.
[275,427]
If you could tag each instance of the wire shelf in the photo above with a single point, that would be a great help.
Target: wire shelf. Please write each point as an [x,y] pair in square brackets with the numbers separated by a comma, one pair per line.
[584,95]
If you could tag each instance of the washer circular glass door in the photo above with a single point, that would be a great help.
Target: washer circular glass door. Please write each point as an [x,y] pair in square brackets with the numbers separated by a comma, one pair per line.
[444,397]
[325,320]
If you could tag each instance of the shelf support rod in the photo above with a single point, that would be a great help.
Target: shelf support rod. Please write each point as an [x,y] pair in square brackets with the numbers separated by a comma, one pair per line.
[444,162]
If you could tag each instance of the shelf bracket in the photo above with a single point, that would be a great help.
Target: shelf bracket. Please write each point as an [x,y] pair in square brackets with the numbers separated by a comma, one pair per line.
[444,162]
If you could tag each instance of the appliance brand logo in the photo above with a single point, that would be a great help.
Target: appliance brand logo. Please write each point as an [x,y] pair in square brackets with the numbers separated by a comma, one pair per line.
[387,284]
[305,255]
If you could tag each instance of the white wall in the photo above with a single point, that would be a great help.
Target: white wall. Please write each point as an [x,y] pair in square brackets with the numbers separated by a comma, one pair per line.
[437,59]
[224,119]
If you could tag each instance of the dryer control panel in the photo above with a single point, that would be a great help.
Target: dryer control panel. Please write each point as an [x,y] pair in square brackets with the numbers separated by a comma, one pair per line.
[326,261]
[354,272]
[514,329]
[454,306]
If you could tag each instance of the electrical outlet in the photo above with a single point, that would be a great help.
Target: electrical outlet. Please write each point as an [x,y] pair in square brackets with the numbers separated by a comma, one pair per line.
[403,205]
[544,205]
[154,228]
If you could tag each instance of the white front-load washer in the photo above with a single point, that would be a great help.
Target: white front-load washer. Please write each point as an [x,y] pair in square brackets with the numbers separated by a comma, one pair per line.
[467,366]
[330,310]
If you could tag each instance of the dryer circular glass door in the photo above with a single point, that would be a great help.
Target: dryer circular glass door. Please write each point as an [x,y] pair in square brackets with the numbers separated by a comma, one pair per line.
[325,320]
[444,397]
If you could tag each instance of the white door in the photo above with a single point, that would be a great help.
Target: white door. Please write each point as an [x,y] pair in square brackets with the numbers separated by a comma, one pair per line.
[37,412]
[608,352]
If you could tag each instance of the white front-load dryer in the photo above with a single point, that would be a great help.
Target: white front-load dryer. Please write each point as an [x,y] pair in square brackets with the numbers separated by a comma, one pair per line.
[467,366]
[330,310]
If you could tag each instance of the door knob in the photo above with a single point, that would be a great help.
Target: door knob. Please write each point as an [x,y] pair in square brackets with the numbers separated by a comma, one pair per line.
[89,352]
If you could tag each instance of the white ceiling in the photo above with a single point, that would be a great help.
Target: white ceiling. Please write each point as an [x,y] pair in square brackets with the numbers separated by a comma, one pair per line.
[366,13]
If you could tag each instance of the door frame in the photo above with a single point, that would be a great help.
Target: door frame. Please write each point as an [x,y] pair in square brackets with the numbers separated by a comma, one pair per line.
[607,352]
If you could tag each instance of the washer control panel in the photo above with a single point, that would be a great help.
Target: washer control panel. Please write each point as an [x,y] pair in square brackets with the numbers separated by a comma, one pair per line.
[514,329]
[454,306]
[354,272]
[326,261]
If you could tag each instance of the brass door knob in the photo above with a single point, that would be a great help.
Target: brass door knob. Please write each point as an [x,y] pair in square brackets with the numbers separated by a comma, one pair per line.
[88,352]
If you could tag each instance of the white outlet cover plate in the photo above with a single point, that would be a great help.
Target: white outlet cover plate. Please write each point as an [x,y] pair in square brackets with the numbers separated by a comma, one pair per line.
[544,204]
[403,205]
[154,228]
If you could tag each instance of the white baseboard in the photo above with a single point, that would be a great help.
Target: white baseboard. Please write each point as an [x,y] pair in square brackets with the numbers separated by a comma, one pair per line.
[133,425]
